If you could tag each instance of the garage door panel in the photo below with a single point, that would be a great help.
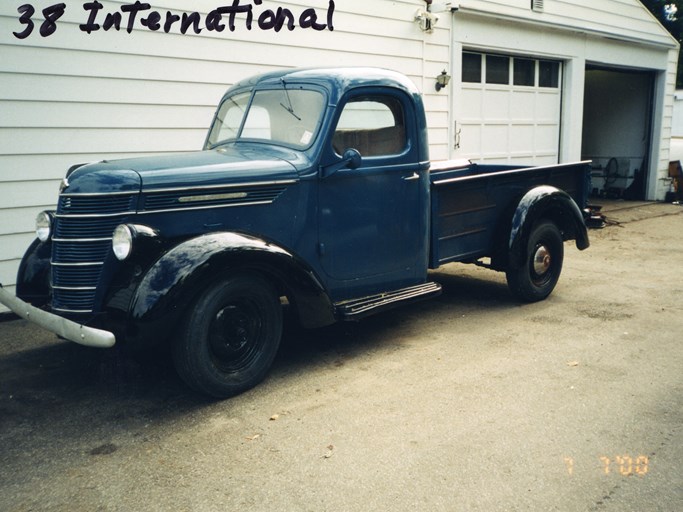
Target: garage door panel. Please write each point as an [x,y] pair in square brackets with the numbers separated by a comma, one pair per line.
[496,105]
[521,138]
[523,106]
[548,107]
[546,138]
[501,159]
[522,159]
[495,139]
[471,104]
[544,160]
[517,123]
[472,135]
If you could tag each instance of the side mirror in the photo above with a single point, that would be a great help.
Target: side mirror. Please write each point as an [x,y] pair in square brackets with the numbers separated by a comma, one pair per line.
[351,159]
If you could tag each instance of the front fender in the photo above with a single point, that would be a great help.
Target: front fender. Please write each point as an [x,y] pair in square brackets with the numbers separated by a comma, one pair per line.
[545,202]
[171,285]
[33,277]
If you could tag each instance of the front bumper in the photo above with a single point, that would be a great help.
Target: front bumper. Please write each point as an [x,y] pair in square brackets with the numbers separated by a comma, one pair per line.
[63,327]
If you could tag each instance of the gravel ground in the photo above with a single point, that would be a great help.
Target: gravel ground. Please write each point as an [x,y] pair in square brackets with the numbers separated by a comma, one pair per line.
[469,402]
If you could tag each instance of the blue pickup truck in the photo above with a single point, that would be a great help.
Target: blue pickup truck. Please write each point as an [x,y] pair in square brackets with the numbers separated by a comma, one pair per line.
[315,192]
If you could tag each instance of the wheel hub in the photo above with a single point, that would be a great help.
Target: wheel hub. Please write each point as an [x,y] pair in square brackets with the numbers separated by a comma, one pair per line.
[233,331]
[542,260]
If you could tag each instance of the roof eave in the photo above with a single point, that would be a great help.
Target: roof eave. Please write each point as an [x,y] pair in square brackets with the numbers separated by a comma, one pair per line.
[670,44]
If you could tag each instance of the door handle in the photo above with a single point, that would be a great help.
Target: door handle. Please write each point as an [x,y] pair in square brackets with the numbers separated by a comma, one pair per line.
[413,177]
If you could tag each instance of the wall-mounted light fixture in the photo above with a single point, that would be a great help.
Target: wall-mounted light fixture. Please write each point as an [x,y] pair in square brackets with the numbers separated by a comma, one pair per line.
[442,80]
[426,20]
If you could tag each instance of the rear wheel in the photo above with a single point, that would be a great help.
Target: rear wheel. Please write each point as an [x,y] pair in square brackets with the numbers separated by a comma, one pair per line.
[537,277]
[230,337]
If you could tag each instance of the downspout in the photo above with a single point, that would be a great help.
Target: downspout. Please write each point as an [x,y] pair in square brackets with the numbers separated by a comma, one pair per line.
[447,8]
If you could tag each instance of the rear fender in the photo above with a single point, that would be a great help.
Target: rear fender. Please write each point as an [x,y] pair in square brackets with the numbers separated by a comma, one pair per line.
[545,203]
[171,285]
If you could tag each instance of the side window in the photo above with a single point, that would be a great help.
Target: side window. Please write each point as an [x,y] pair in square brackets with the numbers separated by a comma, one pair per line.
[374,125]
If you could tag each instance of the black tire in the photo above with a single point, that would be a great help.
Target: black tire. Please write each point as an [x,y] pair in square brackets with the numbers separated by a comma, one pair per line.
[230,337]
[537,277]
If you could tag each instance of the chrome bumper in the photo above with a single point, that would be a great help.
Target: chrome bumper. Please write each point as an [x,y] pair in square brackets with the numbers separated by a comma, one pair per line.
[67,329]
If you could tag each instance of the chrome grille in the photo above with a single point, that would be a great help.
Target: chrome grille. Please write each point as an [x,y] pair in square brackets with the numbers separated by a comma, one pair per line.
[85,228]
[82,239]
[68,252]
[74,301]
[76,276]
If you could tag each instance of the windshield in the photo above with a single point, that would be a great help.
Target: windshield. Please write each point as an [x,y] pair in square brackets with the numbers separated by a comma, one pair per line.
[289,116]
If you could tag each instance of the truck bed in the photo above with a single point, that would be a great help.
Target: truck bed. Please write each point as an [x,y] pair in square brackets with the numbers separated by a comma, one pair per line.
[469,199]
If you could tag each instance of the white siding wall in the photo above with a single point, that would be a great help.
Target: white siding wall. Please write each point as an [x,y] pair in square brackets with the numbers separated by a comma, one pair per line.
[74,97]
[677,128]
[665,87]
[677,121]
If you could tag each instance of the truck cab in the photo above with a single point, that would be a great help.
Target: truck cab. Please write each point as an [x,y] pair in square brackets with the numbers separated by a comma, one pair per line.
[361,166]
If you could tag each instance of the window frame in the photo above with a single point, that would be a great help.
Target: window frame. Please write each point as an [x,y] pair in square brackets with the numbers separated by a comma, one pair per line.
[375,96]
[556,64]
[253,92]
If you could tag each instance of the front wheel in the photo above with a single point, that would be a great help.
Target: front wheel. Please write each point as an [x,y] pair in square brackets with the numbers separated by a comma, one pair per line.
[230,337]
[536,278]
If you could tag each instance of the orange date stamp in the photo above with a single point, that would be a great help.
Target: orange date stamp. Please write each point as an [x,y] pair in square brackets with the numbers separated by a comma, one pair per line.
[623,465]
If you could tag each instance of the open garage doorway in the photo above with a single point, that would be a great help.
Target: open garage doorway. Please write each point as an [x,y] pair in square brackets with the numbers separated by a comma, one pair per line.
[617,130]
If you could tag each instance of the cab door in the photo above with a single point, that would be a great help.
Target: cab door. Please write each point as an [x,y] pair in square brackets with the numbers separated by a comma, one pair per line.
[372,220]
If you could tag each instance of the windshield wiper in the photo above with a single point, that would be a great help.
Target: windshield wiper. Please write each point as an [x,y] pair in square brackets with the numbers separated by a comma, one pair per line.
[232,100]
[289,108]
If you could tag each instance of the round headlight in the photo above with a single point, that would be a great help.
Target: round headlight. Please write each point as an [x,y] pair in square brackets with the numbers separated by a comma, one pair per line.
[122,242]
[43,226]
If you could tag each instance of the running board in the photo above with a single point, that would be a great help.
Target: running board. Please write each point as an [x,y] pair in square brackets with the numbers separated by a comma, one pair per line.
[356,309]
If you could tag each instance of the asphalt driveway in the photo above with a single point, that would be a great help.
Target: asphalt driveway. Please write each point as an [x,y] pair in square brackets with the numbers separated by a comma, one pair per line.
[471,401]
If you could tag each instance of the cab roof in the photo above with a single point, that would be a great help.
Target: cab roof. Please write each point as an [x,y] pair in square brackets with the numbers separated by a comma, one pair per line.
[337,80]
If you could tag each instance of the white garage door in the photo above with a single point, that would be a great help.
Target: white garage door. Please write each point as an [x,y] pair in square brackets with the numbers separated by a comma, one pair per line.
[510,109]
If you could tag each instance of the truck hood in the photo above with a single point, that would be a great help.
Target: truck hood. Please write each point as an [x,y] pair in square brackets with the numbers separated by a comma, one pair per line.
[224,166]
